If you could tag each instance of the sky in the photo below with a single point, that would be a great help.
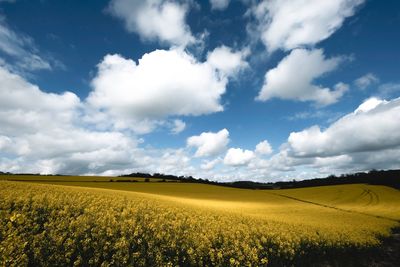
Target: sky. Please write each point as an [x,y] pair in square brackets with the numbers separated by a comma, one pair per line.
[217,89]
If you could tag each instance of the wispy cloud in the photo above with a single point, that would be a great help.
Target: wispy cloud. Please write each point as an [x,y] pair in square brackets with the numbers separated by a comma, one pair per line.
[326,115]
[389,89]
[366,80]
[19,52]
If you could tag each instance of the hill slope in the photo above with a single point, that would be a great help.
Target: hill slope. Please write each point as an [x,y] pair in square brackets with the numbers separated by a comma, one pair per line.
[190,224]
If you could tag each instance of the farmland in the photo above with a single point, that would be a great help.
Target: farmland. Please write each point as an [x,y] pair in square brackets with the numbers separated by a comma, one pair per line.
[95,222]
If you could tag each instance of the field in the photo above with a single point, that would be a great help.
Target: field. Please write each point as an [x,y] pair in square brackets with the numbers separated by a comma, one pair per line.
[86,221]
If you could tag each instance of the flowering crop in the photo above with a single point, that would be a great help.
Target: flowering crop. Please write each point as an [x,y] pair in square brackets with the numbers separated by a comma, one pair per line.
[53,225]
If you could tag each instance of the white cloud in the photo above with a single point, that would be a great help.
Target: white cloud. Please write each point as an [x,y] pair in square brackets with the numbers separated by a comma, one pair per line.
[238,157]
[25,106]
[163,83]
[173,162]
[227,61]
[154,19]
[334,161]
[21,49]
[263,148]
[47,133]
[289,24]
[219,4]
[178,127]
[374,126]
[293,79]
[130,90]
[369,104]
[44,133]
[40,132]
[366,80]
[209,143]
[210,164]
[365,139]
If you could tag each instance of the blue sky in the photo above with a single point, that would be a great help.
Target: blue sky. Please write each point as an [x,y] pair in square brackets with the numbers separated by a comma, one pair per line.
[219,89]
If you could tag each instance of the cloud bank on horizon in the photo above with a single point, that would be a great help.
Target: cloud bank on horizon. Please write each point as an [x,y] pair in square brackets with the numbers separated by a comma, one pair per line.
[197,101]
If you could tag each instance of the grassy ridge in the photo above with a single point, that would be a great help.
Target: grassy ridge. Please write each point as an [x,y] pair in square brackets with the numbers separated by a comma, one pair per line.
[67,178]
[188,224]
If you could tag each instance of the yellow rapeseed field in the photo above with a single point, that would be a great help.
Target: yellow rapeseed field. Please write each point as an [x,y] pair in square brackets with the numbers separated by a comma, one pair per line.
[369,199]
[178,224]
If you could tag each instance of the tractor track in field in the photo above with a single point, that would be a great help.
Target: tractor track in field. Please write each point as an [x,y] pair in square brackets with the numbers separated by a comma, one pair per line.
[373,197]
[387,254]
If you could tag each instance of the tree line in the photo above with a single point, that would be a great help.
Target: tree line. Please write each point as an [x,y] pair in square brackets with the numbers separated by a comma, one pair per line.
[375,177]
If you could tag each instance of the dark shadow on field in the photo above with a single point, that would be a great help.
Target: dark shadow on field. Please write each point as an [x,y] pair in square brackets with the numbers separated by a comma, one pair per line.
[386,255]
